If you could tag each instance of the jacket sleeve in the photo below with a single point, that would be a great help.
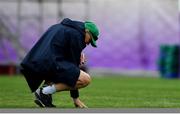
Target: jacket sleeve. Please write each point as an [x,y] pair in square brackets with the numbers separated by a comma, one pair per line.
[70,45]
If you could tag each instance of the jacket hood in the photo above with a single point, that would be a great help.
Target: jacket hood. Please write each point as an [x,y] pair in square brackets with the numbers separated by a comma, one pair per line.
[74,24]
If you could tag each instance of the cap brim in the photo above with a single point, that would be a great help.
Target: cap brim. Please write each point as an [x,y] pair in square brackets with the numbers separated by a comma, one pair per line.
[93,43]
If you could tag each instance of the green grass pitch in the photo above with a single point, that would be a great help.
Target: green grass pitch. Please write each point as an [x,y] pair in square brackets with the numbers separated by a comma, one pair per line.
[103,92]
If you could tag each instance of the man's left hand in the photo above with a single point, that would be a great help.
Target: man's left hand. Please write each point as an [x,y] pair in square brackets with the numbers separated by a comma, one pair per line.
[79,104]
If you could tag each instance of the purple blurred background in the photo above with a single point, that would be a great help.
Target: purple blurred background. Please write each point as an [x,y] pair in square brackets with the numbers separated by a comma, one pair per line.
[131,31]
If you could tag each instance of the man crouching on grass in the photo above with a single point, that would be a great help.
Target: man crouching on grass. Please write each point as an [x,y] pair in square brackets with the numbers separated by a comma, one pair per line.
[56,58]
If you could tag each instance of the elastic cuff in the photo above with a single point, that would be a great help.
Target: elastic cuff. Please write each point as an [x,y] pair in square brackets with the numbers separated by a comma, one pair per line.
[74,93]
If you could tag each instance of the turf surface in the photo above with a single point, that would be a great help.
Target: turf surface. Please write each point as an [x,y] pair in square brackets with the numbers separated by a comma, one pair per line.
[103,92]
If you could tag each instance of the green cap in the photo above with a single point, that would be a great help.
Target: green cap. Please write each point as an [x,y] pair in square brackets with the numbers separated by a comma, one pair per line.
[93,30]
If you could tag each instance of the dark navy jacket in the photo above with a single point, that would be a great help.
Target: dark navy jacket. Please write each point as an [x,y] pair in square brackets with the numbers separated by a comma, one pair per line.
[57,51]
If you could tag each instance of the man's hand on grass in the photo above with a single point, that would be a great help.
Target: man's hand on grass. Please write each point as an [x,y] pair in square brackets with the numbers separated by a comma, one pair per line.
[78,103]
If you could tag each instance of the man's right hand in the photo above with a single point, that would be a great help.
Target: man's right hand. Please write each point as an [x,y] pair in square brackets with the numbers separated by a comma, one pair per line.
[82,59]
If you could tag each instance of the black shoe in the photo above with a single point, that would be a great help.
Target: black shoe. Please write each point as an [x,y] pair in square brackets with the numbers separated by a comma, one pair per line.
[43,100]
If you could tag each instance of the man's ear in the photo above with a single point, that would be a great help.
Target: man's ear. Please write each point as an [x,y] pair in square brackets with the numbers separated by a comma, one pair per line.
[86,30]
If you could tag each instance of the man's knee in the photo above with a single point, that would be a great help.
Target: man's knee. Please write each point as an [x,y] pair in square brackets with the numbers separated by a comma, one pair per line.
[85,79]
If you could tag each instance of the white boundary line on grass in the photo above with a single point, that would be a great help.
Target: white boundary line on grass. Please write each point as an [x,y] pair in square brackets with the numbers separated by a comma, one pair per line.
[92,110]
